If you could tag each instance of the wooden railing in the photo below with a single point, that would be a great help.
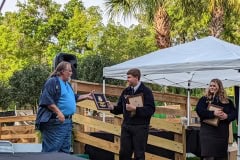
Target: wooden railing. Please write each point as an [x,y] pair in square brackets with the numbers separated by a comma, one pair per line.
[20,133]
[85,124]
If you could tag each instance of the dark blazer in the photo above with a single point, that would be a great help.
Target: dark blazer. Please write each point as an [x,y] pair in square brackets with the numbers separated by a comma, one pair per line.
[214,140]
[143,114]
[204,113]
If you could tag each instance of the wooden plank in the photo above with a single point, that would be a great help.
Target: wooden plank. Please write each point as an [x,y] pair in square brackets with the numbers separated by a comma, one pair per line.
[116,130]
[89,104]
[99,125]
[116,141]
[150,156]
[15,136]
[107,145]
[181,139]
[171,111]
[96,142]
[17,118]
[78,147]
[165,143]
[230,137]
[112,90]
[83,86]
[166,125]
[18,128]
[155,122]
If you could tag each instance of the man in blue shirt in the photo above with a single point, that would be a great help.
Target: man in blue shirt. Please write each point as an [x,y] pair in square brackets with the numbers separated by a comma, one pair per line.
[56,107]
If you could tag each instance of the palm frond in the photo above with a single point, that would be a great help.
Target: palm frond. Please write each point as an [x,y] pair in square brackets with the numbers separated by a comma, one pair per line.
[116,8]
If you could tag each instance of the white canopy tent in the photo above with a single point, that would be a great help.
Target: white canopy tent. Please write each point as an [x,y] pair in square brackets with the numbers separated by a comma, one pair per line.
[190,65]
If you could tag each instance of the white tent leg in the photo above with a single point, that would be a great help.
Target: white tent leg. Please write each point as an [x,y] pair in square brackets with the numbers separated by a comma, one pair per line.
[188,108]
[104,85]
[104,91]
[238,134]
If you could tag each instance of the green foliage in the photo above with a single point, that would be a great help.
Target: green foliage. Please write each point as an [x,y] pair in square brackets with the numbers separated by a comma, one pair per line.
[26,84]
[185,28]
[91,67]
[39,22]
[82,31]
[231,31]
[9,51]
[5,99]
[203,10]
[121,43]
[69,8]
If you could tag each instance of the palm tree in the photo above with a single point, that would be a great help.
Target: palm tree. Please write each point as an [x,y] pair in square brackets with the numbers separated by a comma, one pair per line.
[218,9]
[155,11]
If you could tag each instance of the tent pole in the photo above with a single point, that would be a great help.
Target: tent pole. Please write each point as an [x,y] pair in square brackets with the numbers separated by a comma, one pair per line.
[238,134]
[104,91]
[188,107]
[188,104]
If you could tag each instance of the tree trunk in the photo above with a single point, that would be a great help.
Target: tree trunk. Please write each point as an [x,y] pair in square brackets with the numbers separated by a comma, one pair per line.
[216,26]
[162,27]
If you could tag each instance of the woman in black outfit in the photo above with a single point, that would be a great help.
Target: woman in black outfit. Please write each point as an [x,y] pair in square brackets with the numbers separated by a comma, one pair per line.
[214,139]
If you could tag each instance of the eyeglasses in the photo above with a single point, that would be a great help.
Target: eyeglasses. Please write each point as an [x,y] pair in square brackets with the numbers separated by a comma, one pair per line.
[69,70]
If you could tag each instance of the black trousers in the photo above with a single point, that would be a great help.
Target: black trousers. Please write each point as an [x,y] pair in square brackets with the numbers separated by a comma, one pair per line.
[133,140]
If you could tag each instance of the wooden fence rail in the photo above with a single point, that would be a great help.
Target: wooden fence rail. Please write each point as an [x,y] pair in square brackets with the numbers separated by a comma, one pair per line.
[177,145]
[86,123]
[20,133]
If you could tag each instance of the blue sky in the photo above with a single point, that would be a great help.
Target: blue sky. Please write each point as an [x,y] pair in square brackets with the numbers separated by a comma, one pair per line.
[10,6]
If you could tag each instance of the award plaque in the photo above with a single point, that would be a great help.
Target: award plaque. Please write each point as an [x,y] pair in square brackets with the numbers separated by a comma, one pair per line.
[100,101]
[213,121]
[136,100]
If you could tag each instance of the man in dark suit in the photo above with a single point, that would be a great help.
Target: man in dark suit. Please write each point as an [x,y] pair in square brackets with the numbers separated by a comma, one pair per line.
[135,126]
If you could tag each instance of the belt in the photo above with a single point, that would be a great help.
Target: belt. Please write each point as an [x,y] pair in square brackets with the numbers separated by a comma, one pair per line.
[54,116]
[68,117]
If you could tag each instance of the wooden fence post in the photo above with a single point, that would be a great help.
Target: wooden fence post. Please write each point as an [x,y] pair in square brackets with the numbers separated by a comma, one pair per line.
[182,139]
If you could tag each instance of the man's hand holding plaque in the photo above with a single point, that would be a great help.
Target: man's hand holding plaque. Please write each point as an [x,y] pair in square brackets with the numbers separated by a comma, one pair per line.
[101,101]
[134,101]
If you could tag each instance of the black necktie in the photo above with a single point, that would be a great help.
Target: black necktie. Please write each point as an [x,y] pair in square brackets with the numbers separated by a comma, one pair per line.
[132,90]
[132,113]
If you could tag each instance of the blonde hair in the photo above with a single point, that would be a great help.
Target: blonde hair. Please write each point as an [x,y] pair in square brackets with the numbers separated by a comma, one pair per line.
[60,68]
[220,93]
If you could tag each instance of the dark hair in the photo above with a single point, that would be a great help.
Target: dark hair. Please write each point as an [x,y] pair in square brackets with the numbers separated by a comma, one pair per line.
[60,67]
[135,72]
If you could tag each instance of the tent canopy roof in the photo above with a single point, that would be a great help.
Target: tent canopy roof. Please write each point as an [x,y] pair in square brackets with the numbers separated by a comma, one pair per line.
[189,65]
